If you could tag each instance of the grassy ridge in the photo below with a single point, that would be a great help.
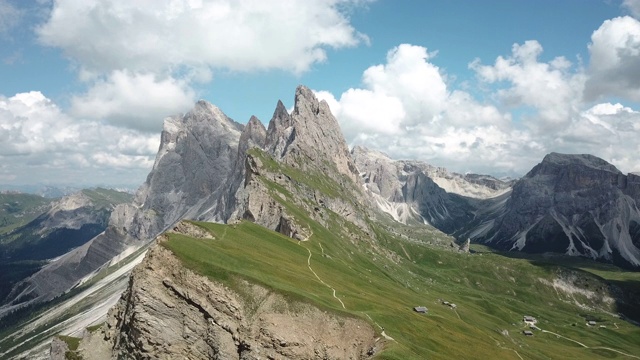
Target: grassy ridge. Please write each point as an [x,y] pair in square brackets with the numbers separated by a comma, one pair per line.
[492,293]
[18,209]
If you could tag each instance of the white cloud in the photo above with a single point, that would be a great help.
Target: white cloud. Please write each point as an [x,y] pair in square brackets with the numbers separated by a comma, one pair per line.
[157,35]
[551,89]
[141,59]
[138,101]
[606,130]
[633,6]
[614,69]
[407,110]
[39,141]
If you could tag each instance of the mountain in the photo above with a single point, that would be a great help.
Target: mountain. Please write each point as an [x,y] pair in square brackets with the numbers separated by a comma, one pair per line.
[578,205]
[17,209]
[197,152]
[205,170]
[62,224]
[414,190]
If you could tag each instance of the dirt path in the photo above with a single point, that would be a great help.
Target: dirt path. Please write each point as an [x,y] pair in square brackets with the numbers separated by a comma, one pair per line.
[383,333]
[322,281]
[506,348]
[566,338]
[381,328]
[591,347]
[405,252]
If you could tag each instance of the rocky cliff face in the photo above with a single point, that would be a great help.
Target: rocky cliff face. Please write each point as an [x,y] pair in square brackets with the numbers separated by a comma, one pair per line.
[413,190]
[190,176]
[170,312]
[577,205]
[309,143]
[309,136]
[574,204]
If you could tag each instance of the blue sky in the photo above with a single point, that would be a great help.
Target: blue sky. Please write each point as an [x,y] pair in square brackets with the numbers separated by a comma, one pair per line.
[473,86]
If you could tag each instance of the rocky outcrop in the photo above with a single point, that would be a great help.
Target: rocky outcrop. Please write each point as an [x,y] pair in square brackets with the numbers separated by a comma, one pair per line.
[574,204]
[58,349]
[310,137]
[309,142]
[466,245]
[170,312]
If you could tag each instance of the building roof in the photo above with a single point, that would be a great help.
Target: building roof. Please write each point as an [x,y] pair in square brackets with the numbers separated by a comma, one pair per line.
[420,309]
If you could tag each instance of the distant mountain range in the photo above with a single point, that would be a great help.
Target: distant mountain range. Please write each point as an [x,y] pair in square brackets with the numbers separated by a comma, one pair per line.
[54,191]
[578,205]
[34,230]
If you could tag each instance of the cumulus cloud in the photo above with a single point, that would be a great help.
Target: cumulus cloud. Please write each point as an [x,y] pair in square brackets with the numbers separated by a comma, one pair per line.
[606,130]
[155,35]
[37,137]
[133,100]
[407,109]
[614,69]
[550,88]
[141,59]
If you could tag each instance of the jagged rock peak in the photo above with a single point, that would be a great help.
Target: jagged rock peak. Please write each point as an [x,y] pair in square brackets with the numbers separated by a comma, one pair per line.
[585,160]
[311,131]
[254,134]
[203,107]
[305,101]
[282,114]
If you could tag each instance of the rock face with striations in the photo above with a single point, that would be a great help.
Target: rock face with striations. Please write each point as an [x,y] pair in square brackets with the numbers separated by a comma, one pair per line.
[170,312]
[310,142]
[190,177]
[574,204]
[414,190]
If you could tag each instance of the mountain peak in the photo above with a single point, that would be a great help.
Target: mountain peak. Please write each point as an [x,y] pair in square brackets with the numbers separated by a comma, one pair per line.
[306,102]
[310,130]
[584,160]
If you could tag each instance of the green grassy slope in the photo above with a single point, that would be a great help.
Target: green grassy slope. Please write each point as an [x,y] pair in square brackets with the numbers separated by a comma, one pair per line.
[382,279]
[18,209]
[492,294]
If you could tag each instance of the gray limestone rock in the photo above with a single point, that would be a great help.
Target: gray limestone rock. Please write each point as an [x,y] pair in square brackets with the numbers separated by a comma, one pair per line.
[196,159]
[170,312]
[414,190]
[573,204]
[58,349]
